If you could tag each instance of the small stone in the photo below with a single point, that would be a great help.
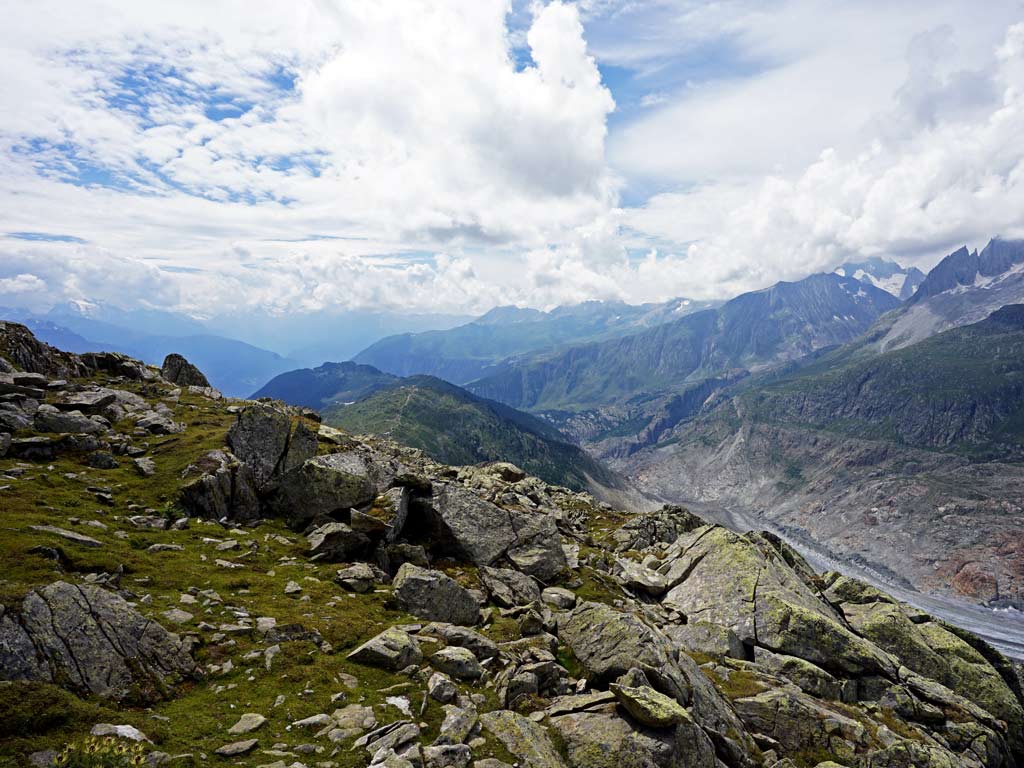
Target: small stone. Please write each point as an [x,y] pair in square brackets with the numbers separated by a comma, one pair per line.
[292,588]
[129,732]
[177,616]
[247,723]
[441,688]
[314,721]
[237,748]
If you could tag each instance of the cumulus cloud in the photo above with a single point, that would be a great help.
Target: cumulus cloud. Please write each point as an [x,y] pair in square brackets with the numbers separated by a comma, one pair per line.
[425,156]
[158,132]
[947,176]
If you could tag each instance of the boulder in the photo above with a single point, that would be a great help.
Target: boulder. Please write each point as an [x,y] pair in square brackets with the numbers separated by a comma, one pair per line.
[392,649]
[271,442]
[460,524]
[481,646]
[356,578]
[603,739]
[525,739]
[460,663]
[159,423]
[662,526]
[336,543]
[177,370]
[435,596]
[49,419]
[19,346]
[799,722]
[220,486]
[648,707]
[509,588]
[91,641]
[325,486]
[608,643]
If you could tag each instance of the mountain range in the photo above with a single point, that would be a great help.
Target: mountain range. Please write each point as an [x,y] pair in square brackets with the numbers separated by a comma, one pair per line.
[476,349]
[446,422]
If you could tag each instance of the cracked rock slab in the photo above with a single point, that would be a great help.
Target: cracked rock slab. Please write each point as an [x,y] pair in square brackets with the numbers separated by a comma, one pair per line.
[92,642]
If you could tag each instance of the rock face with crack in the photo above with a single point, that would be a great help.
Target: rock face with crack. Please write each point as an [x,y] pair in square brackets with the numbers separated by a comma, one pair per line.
[177,370]
[93,642]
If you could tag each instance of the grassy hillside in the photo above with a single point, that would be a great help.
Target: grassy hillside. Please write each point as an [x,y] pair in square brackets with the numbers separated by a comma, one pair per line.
[962,389]
[756,329]
[455,427]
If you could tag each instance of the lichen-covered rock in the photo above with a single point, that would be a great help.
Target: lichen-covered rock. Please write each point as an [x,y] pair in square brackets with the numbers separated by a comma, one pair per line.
[220,486]
[434,595]
[649,707]
[460,663]
[325,486]
[92,642]
[609,643]
[664,525]
[928,648]
[509,588]
[391,649]
[461,524]
[798,722]
[601,739]
[525,739]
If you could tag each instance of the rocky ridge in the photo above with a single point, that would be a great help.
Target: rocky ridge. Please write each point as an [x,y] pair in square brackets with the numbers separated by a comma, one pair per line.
[342,601]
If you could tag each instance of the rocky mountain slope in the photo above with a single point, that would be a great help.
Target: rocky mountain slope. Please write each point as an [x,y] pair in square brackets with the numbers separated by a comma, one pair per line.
[751,331]
[963,288]
[453,426]
[235,367]
[909,461]
[885,274]
[234,583]
[327,385]
[471,351]
[446,422]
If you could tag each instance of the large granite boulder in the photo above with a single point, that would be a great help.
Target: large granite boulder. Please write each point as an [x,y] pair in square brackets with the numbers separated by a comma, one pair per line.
[609,643]
[177,370]
[434,596]
[272,442]
[92,642]
[325,486]
[525,739]
[458,523]
[220,486]
[601,738]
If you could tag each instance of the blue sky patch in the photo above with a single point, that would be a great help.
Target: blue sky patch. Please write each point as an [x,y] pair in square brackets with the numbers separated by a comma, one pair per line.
[45,237]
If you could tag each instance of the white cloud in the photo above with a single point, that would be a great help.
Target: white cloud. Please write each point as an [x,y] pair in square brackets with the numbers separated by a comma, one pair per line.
[394,154]
[25,282]
[410,127]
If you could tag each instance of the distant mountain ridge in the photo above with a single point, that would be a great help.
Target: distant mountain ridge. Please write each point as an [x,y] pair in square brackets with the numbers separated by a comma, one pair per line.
[326,385]
[474,350]
[445,421]
[885,274]
[963,288]
[754,330]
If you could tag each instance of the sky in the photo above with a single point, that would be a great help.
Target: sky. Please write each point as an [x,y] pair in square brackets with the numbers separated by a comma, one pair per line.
[448,156]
